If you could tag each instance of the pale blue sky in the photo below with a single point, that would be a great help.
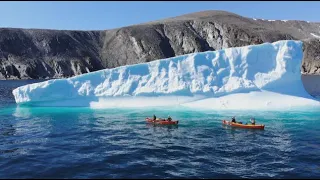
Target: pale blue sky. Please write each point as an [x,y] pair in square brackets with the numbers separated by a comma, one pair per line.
[97,15]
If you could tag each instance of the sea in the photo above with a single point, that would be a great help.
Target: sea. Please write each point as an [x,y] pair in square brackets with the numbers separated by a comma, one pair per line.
[76,142]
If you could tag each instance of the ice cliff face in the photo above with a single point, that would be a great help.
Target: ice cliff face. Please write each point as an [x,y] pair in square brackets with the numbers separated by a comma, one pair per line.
[267,67]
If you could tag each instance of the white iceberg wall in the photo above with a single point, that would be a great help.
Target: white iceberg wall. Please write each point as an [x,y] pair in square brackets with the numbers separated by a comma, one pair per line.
[272,67]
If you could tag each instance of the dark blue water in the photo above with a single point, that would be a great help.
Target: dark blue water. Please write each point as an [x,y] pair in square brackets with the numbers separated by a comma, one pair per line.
[117,143]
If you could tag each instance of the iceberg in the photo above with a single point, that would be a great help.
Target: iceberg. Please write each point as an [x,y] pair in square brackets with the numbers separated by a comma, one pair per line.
[265,76]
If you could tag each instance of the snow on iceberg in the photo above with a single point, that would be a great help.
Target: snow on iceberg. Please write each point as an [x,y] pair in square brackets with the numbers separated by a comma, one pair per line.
[205,80]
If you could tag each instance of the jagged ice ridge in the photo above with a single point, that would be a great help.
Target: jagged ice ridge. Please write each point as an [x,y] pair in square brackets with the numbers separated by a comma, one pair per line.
[260,76]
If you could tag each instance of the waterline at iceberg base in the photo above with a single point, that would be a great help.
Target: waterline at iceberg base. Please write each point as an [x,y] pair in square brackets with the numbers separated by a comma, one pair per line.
[265,76]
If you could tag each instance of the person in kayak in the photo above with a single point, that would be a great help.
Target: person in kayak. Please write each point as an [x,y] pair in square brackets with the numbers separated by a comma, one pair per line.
[253,121]
[169,118]
[154,117]
[233,119]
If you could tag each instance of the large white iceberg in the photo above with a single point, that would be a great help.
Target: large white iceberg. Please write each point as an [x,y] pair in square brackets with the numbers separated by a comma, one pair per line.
[250,77]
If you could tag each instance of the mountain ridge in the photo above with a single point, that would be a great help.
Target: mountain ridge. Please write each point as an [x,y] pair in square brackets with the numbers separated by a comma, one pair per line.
[38,53]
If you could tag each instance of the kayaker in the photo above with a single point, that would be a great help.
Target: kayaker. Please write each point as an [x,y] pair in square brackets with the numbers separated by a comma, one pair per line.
[253,121]
[169,118]
[233,119]
[154,117]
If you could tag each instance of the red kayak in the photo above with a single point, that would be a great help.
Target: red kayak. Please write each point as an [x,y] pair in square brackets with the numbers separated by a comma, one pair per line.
[161,121]
[247,126]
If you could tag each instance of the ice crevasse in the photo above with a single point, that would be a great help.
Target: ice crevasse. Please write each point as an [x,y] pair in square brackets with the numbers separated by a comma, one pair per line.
[265,76]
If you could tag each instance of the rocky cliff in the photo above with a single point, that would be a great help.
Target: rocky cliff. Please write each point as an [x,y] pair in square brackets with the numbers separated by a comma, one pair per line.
[311,56]
[37,54]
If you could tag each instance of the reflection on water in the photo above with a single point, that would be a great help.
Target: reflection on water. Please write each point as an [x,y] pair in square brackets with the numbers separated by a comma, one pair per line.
[22,112]
[7,129]
[150,125]
[8,151]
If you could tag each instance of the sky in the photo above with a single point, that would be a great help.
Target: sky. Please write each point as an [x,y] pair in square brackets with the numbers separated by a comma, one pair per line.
[99,15]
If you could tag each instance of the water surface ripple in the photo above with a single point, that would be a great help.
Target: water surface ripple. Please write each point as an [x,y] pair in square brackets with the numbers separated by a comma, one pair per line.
[117,143]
